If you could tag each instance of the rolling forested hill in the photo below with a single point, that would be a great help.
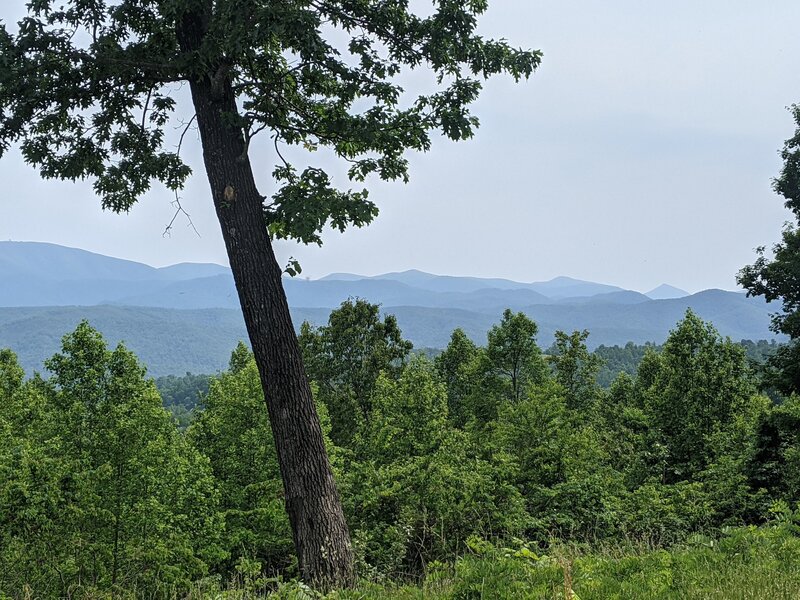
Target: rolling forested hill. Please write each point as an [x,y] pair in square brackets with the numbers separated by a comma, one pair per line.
[186,317]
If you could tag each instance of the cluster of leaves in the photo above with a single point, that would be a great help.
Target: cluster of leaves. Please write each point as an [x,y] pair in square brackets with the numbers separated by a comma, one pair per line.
[625,359]
[182,395]
[100,492]
[503,440]
[188,390]
[88,90]
[777,277]
[98,489]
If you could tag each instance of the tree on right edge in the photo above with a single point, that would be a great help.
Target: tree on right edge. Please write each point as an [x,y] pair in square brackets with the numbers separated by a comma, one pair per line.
[779,278]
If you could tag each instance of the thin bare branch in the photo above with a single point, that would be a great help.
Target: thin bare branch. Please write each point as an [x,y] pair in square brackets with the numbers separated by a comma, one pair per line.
[177,202]
[183,133]
[145,109]
[278,150]
[178,210]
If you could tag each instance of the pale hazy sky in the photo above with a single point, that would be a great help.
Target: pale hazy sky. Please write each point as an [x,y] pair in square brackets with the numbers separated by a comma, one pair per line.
[641,152]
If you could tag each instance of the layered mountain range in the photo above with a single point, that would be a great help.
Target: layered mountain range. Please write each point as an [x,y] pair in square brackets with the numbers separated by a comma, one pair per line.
[185,317]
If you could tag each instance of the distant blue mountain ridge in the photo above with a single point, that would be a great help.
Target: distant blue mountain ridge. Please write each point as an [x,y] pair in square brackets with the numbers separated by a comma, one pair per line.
[41,274]
[190,312]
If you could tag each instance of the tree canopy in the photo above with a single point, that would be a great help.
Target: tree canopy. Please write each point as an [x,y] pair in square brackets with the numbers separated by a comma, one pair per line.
[778,277]
[88,88]
[101,493]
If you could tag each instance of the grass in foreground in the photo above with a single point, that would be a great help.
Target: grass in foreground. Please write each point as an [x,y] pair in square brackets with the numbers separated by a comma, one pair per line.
[747,563]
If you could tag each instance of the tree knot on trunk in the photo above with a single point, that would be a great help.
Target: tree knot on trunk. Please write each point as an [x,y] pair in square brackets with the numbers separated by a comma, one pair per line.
[228,195]
[219,80]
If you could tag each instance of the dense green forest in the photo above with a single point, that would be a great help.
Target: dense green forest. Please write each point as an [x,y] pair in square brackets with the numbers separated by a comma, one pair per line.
[183,393]
[626,359]
[486,471]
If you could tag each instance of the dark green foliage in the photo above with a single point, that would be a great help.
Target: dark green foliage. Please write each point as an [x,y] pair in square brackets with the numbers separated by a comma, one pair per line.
[423,488]
[778,278]
[774,464]
[558,466]
[443,455]
[788,182]
[99,490]
[761,351]
[513,356]
[779,372]
[622,426]
[187,390]
[182,395]
[625,359]
[460,366]
[345,358]
[693,389]
[618,359]
[86,91]
[576,369]
[233,431]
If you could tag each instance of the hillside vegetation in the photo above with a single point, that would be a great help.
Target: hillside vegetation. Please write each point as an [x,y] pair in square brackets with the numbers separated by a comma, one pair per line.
[187,318]
[490,471]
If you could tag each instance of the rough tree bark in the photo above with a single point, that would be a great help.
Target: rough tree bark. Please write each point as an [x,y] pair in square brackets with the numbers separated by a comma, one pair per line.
[319,529]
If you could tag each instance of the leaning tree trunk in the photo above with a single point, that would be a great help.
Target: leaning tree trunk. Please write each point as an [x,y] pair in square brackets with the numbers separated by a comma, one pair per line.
[319,529]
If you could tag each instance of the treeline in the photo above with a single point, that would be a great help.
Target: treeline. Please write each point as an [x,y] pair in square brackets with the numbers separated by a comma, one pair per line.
[102,494]
[183,394]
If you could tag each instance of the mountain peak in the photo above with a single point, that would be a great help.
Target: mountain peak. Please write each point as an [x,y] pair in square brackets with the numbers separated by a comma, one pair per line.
[666,292]
[408,275]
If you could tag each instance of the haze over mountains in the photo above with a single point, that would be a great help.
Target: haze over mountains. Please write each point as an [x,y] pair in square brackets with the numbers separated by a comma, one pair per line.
[186,317]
